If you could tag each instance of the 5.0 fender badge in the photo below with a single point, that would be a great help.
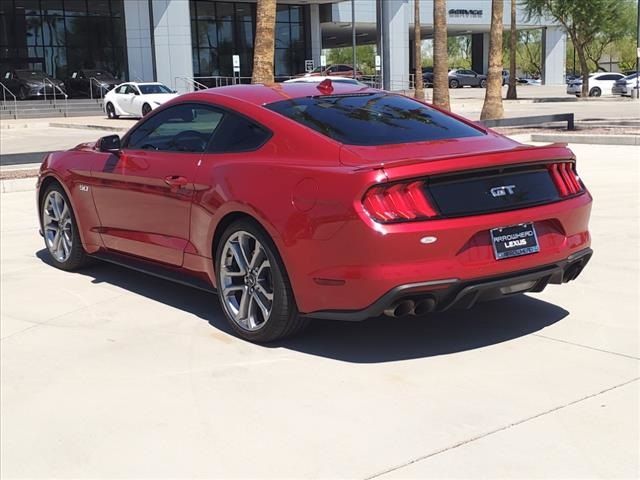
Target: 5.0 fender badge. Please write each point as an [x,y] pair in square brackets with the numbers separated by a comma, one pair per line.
[83,188]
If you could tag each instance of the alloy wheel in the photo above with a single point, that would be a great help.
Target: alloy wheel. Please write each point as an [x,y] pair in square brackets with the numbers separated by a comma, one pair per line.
[58,226]
[246,281]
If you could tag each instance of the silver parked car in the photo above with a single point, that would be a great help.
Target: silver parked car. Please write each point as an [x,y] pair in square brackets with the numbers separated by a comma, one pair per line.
[460,77]
[625,86]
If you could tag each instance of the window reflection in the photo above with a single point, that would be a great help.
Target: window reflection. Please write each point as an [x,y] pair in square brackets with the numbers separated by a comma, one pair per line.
[220,30]
[62,36]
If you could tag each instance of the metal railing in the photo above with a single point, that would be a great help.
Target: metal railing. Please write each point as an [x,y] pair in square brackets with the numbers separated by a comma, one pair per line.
[64,95]
[5,90]
[99,84]
[401,83]
[533,120]
[190,82]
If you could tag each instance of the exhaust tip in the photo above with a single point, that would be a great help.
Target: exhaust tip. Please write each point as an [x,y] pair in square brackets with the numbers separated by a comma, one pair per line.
[425,306]
[400,309]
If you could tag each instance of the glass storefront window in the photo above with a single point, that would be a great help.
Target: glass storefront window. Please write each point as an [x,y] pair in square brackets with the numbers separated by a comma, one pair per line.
[60,36]
[220,30]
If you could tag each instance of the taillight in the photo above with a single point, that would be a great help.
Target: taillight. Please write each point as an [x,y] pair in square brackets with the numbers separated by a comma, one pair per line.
[398,202]
[565,178]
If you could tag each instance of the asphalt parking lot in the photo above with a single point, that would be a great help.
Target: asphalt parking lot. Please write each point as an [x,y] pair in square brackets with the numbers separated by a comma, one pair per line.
[109,373]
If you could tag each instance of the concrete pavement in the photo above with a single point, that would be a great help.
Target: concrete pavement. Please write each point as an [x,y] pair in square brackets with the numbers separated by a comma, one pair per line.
[109,373]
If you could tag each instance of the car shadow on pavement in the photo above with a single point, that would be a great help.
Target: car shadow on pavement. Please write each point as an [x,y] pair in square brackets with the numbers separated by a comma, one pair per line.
[376,340]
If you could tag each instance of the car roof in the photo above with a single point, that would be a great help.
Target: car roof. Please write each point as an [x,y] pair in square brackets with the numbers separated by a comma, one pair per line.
[258,94]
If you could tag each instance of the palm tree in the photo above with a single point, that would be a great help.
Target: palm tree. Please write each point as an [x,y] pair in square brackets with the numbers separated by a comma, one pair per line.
[440,57]
[264,43]
[417,50]
[512,94]
[492,107]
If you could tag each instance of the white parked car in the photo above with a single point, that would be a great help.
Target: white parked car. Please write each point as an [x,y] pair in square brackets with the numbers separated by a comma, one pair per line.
[136,99]
[320,78]
[626,86]
[599,84]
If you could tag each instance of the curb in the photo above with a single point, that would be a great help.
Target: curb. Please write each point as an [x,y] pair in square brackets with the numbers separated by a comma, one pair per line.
[12,185]
[90,127]
[586,139]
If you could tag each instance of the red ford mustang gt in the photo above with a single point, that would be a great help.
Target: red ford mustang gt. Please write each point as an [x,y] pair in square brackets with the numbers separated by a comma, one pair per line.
[304,201]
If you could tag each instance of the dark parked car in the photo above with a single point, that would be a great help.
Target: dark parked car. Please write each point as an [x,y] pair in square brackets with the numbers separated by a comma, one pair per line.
[90,83]
[462,77]
[333,70]
[26,84]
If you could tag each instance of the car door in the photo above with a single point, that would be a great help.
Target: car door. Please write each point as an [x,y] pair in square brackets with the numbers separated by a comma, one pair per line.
[143,195]
[470,78]
[120,95]
[129,101]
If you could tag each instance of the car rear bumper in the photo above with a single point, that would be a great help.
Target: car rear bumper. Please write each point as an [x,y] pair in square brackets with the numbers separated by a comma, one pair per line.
[425,297]
[352,269]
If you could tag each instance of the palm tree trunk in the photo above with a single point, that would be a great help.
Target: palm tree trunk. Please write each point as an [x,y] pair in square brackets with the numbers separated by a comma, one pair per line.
[264,43]
[417,50]
[440,56]
[492,107]
[512,94]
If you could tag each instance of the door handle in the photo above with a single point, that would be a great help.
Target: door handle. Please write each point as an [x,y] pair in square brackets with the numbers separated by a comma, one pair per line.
[175,181]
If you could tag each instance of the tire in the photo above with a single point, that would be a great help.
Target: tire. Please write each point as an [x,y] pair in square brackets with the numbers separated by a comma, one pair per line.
[60,230]
[454,83]
[595,92]
[245,239]
[146,109]
[111,111]
[483,84]
[22,93]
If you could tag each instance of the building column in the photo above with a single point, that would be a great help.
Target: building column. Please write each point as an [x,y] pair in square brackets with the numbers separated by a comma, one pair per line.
[172,42]
[316,34]
[139,48]
[394,25]
[480,53]
[554,45]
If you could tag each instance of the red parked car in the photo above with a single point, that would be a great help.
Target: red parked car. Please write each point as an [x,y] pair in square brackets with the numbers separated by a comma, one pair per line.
[302,201]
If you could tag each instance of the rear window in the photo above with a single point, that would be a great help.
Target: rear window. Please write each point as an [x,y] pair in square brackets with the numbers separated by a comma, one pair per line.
[373,119]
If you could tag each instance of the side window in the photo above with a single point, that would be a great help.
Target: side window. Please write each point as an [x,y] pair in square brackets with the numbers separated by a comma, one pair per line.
[122,89]
[132,89]
[181,128]
[238,134]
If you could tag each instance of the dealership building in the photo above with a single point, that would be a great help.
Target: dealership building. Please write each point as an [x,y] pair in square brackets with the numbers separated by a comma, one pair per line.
[173,41]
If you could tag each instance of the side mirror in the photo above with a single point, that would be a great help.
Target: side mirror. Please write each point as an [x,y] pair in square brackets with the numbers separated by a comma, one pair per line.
[110,144]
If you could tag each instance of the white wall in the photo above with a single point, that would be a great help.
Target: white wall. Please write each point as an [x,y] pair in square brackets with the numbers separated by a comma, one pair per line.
[139,53]
[395,45]
[554,47]
[172,39]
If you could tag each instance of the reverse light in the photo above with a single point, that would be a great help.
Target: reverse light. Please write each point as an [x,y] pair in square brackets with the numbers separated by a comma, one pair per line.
[565,178]
[398,202]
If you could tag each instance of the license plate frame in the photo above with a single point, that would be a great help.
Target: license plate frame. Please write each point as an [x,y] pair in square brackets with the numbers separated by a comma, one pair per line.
[507,242]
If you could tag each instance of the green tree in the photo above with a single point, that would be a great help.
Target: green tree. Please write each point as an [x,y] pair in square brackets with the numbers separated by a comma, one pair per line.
[417,50]
[440,55]
[264,43]
[492,107]
[366,55]
[512,93]
[584,22]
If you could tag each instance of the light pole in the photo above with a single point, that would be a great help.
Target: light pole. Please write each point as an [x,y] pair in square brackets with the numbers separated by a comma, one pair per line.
[638,55]
[353,35]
